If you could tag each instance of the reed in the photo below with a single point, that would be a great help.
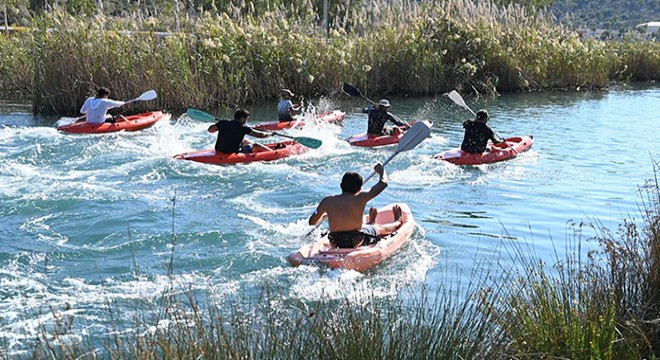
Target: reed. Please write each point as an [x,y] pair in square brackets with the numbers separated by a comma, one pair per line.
[245,55]
[412,325]
[604,306]
[16,65]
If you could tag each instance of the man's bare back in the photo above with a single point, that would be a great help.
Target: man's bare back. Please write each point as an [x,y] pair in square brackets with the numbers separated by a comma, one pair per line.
[344,211]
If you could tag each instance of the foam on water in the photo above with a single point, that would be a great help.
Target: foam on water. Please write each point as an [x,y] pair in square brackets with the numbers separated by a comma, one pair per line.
[92,221]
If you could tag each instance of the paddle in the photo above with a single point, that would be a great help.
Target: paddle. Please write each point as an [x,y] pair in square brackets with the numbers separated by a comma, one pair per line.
[306,141]
[352,91]
[410,139]
[146,96]
[458,100]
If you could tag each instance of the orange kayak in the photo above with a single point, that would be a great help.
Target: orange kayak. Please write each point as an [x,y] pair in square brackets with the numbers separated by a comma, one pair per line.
[210,156]
[335,116]
[499,152]
[132,123]
[362,258]
[366,140]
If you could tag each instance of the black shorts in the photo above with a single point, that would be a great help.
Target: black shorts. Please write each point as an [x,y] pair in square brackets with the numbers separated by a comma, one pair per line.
[352,239]
[285,117]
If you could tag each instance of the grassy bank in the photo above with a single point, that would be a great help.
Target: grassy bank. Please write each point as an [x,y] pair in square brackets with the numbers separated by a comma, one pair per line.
[241,56]
[602,304]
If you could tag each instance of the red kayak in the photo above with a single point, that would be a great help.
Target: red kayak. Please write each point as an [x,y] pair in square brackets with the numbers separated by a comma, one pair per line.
[365,140]
[361,258]
[335,117]
[210,156]
[499,152]
[132,123]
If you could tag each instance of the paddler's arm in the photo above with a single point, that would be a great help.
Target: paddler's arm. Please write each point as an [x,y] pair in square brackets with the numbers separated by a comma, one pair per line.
[494,137]
[396,121]
[380,185]
[260,134]
[319,215]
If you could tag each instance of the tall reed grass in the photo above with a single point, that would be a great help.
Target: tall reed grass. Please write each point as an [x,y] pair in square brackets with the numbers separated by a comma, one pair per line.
[399,47]
[604,306]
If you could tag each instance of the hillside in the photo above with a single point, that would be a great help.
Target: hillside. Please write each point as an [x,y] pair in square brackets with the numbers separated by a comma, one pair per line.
[613,15]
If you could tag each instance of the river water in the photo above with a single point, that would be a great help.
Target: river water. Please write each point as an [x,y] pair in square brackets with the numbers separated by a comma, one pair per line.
[89,220]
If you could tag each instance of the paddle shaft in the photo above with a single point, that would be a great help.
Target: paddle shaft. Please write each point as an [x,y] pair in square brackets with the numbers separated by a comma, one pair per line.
[306,141]
[384,163]
[147,95]
[353,91]
[460,102]
[392,115]
[413,137]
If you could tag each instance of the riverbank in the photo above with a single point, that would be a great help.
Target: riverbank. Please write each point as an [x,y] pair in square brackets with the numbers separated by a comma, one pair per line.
[602,307]
[402,48]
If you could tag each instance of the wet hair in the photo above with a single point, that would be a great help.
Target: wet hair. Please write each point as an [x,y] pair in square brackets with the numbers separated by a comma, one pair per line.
[351,182]
[241,113]
[102,92]
[482,115]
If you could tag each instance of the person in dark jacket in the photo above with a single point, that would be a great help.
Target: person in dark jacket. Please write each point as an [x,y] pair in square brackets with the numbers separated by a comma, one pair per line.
[477,134]
[378,116]
[231,134]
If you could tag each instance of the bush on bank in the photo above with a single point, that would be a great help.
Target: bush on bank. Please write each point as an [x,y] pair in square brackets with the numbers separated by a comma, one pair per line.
[228,59]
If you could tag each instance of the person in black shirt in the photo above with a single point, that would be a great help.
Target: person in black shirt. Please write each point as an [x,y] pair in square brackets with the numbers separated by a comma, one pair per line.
[477,134]
[231,134]
[378,116]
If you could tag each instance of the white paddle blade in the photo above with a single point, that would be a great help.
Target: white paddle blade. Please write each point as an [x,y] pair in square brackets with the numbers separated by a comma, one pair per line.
[458,99]
[148,95]
[65,121]
[415,135]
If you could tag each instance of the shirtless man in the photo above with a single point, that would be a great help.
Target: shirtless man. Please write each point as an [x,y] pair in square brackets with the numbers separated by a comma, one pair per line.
[344,212]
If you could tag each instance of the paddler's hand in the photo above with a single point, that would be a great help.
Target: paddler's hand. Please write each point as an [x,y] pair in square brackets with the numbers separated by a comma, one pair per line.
[379,169]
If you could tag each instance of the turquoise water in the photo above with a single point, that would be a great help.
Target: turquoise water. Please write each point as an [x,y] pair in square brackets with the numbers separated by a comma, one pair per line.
[88,220]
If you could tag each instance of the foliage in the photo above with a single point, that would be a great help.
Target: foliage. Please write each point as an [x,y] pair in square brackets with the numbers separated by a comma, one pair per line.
[604,307]
[606,14]
[532,3]
[229,59]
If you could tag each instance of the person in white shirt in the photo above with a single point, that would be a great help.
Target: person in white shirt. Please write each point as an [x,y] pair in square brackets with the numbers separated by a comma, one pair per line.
[96,108]
[286,109]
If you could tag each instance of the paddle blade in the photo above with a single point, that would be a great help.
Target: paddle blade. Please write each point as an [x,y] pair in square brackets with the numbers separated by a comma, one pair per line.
[415,135]
[147,95]
[309,142]
[65,121]
[350,90]
[458,99]
[199,115]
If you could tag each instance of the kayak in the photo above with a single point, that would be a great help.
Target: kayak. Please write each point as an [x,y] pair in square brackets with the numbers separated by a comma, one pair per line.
[132,123]
[335,116]
[210,156]
[498,152]
[361,258]
[366,140]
